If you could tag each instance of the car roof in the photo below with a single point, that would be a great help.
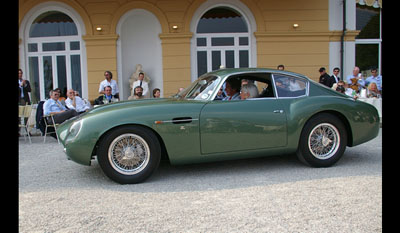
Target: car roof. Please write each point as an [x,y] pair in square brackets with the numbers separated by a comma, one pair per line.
[230,71]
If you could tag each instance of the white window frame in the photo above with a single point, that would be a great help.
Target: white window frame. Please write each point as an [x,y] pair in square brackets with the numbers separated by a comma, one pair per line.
[375,41]
[236,47]
[24,55]
[244,11]
[67,53]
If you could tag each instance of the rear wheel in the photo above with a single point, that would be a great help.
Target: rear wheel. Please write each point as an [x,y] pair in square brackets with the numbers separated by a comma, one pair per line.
[129,154]
[323,141]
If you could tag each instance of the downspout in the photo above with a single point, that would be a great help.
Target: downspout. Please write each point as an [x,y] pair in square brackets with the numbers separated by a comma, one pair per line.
[342,41]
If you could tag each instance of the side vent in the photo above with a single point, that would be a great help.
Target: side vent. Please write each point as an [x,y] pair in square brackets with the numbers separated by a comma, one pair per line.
[181,120]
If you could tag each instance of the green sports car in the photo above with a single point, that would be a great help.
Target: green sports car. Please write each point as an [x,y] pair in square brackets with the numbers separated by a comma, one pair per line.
[289,114]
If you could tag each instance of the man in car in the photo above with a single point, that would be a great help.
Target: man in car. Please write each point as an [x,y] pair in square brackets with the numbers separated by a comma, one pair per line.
[232,89]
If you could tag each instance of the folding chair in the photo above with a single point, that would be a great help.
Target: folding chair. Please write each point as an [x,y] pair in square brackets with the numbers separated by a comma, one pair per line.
[50,124]
[21,110]
[25,113]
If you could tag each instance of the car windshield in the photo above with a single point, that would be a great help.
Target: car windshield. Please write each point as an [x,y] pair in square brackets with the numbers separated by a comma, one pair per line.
[201,89]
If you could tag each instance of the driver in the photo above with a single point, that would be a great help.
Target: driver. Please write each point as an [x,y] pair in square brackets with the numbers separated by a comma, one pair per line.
[232,89]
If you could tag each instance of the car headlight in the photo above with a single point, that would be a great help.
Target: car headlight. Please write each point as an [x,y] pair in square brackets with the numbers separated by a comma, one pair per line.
[74,129]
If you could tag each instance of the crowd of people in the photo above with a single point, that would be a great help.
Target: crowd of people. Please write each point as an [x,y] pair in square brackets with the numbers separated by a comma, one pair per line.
[355,84]
[62,107]
[109,91]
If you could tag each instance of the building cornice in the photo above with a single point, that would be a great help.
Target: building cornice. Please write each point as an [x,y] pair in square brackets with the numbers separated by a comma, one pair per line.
[328,36]
[175,38]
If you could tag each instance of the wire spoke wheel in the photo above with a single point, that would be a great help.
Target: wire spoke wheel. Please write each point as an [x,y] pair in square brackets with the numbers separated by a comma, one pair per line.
[129,154]
[324,141]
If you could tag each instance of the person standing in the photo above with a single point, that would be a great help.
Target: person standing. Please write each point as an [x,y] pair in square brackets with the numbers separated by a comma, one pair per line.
[108,81]
[24,89]
[355,81]
[335,74]
[374,78]
[324,78]
[143,84]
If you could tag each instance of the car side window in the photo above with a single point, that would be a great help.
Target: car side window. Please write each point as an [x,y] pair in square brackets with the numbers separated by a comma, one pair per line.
[289,86]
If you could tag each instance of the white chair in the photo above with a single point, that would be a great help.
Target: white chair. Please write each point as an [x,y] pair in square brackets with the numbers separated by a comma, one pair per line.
[50,124]
[24,112]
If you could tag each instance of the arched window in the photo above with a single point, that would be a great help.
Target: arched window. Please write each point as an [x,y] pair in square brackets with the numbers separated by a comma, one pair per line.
[221,20]
[222,39]
[53,23]
[54,54]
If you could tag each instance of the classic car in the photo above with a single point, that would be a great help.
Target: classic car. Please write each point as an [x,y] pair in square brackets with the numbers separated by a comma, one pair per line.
[291,115]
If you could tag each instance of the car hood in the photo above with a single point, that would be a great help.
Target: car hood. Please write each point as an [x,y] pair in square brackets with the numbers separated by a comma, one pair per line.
[144,112]
[129,103]
[120,106]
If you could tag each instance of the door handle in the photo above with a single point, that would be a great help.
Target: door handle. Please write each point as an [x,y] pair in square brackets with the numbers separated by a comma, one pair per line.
[278,111]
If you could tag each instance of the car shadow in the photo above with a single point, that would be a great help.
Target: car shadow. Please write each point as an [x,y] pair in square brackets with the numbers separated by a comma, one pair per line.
[239,173]
[36,174]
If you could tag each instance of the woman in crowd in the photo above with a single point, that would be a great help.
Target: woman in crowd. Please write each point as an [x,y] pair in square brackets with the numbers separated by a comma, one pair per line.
[156,93]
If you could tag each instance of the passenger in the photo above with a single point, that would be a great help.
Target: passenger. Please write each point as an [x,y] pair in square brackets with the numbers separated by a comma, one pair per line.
[293,85]
[248,91]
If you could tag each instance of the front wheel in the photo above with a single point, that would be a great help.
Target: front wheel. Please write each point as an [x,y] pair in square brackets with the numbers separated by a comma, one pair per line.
[322,141]
[129,154]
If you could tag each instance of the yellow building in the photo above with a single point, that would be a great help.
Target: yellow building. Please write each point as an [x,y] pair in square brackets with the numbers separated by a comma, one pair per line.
[70,43]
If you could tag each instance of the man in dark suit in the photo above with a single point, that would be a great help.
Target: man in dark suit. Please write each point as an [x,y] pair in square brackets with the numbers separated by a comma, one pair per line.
[325,79]
[106,98]
[24,88]
[335,74]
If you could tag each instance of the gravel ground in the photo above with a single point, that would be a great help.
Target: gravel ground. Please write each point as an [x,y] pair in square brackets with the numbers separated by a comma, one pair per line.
[274,194]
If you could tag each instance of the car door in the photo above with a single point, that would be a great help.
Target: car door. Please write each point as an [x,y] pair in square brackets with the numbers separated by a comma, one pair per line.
[227,126]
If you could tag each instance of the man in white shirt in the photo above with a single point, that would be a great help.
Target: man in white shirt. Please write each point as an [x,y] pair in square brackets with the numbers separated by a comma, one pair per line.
[357,77]
[143,84]
[54,107]
[75,102]
[108,81]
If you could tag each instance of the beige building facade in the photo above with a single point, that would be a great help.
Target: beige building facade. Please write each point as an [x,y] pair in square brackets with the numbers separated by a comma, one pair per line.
[71,43]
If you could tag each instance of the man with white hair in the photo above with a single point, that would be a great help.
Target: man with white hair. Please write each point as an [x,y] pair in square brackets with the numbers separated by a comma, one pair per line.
[355,80]
[75,102]
[54,107]
[248,90]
